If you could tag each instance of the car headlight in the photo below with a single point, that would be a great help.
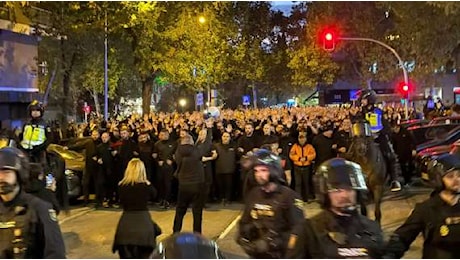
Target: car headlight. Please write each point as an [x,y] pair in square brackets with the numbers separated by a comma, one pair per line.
[69,172]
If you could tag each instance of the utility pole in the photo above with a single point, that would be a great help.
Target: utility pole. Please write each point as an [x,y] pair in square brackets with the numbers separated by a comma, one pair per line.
[106,80]
[401,63]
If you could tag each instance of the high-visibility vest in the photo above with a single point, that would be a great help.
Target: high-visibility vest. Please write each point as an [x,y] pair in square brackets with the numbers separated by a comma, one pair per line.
[375,120]
[33,135]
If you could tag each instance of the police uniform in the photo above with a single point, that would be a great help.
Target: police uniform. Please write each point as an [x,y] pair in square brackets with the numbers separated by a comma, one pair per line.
[346,235]
[271,218]
[440,224]
[380,129]
[438,221]
[36,135]
[353,236]
[29,229]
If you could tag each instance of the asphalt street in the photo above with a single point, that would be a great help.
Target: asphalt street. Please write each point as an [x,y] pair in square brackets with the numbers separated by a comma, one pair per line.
[89,233]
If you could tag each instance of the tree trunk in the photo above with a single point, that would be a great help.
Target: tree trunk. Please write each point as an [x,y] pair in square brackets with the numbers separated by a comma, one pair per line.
[96,102]
[369,83]
[146,95]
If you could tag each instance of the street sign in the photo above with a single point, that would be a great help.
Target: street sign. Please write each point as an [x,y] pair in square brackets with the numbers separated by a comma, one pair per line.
[246,100]
[199,99]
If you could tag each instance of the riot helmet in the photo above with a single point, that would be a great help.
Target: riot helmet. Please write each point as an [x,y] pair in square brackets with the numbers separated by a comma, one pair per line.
[338,173]
[272,161]
[361,129]
[36,106]
[186,245]
[439,167]
[368,94]
[12,158]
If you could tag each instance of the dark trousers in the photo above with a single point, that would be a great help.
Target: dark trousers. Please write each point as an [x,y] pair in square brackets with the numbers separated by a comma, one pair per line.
[209,181]
[91,170]
[189,194]
[304,182]
[225,183]
[135,252]
[407,168]
[165,174]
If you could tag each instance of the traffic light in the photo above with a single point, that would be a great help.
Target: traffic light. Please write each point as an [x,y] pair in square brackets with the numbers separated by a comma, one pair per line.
[405,89]
[329,38]
[87,109]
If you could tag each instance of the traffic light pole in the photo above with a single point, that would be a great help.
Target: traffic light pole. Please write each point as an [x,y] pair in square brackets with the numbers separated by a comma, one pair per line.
[401,63]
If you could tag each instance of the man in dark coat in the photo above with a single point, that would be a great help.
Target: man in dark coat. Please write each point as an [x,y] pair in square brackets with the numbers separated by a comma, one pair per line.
[190,173]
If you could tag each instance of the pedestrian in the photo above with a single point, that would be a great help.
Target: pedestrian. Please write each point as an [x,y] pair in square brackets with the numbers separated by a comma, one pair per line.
[28,225]
[42,186]
[405,149]
[104,181]
[90,175]
[339,231]
[190,173]
[273,213]
[438,217]
[163,152]
[224,154]
[136,232]
[303,155]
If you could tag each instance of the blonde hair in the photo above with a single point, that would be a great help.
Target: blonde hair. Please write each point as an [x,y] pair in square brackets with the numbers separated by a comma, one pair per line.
[135,173]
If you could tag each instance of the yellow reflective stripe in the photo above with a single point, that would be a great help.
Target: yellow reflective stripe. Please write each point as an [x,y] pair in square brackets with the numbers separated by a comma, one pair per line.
[33,136]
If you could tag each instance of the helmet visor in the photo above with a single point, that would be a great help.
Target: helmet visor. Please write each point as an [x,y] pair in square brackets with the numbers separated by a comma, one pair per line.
[349,176]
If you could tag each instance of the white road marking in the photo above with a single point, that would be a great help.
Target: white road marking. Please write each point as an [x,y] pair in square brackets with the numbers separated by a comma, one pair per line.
[229,228]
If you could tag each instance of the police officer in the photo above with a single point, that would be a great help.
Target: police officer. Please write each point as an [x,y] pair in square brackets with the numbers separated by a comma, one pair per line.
[185,245]
[28,225]
[36,134]
[381,129]
[273,213]
[438,217]
[339,231]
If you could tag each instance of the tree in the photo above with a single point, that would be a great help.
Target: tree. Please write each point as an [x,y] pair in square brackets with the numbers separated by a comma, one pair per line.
[309,64]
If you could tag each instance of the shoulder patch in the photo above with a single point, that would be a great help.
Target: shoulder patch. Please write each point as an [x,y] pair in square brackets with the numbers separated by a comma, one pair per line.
[53,215]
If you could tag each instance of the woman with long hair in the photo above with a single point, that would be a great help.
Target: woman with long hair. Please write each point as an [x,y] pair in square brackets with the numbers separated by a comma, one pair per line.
[136,232]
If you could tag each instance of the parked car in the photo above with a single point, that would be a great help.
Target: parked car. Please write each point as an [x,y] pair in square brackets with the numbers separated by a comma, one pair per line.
[74,167]
[424,133]
[443,139]
[424,157]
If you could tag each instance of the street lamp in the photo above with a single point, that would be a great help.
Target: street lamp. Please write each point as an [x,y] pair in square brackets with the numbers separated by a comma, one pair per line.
[201,19]
[182,102]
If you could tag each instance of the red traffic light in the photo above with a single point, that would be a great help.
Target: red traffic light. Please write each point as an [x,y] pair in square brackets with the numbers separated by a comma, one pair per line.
[87,109]
[328,39]
[404,89]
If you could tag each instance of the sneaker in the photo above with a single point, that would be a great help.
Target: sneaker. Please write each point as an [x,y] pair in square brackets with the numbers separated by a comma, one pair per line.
[395,186]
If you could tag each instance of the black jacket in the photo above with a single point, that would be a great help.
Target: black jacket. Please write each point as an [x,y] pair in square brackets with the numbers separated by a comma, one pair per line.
[226,158]
[439,223]
[39,231]
[189,166]
[354,236]
[38,189]
[104,152]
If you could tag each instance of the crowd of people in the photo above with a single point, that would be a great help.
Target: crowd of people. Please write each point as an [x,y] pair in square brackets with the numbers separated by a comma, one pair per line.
[266,158]
[320,132]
